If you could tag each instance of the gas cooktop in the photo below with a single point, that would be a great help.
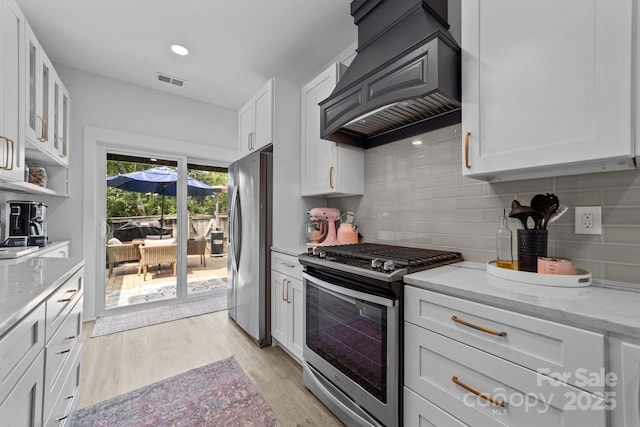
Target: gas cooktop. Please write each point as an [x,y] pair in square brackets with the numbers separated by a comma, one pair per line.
[377,261]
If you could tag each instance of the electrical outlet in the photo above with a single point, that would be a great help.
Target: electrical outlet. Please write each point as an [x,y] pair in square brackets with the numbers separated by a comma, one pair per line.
[588,220]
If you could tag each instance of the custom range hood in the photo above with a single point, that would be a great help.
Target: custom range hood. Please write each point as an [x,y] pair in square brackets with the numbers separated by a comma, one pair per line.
[404,80]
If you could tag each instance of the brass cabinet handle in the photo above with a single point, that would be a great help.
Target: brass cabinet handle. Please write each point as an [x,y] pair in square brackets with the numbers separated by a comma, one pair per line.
[8,143]
[63,151]
[466,150]
[479,328]
[64,351]
[43,133]
[284,284]
[288,301]
[12,143]
[72,291]
[62,418]
[485,396]
[249,141]
[287,264]
[331,177]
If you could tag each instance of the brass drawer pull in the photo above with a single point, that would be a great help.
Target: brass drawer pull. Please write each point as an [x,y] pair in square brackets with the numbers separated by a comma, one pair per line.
[485,396]
[288,264]
[466,150]
[72,337]
[331,169]
[62,418]
[479,328]
[64,351]
[72,291]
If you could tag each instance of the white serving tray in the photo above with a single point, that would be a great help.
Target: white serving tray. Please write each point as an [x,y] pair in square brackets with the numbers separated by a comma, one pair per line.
[580,279]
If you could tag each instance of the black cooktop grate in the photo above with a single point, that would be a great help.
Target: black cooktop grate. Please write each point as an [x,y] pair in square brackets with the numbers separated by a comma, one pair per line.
[400,255]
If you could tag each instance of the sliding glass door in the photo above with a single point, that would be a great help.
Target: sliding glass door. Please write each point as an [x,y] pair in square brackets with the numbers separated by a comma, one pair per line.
[159,250]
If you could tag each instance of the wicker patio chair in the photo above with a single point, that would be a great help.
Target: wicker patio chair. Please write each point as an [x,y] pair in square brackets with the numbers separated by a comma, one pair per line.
[121,252]
[158,253]
[197,247]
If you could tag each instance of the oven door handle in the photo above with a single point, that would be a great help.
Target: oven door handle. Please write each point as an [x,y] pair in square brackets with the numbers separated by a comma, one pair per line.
[349,292]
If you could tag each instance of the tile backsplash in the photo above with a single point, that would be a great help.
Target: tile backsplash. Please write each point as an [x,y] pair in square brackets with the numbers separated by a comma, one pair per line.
[417,196]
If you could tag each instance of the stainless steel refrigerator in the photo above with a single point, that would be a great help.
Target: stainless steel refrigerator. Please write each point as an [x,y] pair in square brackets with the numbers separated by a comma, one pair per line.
[249,259]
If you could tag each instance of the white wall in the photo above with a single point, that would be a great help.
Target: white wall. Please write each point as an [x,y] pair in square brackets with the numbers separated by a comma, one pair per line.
[152,120]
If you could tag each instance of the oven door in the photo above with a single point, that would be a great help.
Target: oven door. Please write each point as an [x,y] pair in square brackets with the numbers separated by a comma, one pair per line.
[351,351]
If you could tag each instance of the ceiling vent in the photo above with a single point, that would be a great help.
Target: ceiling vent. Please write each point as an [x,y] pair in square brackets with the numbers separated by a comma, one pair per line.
[171,80]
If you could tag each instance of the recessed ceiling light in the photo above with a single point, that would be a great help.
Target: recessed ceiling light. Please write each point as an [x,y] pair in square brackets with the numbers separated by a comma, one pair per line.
[179,49]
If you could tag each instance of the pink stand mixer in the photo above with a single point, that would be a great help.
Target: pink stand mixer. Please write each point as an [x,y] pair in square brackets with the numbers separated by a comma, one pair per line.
[330,216]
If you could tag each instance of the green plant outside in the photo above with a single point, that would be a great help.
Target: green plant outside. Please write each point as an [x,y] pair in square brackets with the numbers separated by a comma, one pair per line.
[122,203]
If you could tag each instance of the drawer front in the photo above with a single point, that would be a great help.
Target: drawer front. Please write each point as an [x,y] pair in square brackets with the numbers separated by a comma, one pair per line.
[65,345]
[59,304]
[65,402]
[419,412]
[286,264]
[445,371]
[20,346]
[22,406]
[550,347]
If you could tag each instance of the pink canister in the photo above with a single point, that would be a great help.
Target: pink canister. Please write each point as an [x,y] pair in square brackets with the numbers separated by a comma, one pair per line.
[554,265]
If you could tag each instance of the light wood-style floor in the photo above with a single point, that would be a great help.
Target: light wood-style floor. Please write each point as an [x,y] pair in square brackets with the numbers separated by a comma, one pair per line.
[118,363]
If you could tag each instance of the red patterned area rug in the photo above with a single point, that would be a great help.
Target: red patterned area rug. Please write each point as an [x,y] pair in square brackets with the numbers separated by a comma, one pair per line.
[218,394]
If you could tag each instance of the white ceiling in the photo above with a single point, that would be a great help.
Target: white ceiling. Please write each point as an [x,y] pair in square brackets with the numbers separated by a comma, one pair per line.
[236,45]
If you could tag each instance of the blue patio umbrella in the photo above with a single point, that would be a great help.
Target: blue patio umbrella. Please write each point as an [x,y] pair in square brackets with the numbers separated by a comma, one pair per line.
[160,180]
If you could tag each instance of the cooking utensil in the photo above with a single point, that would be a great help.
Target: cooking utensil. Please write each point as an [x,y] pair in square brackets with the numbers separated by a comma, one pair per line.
[523,213]
[549,207]
[561,210]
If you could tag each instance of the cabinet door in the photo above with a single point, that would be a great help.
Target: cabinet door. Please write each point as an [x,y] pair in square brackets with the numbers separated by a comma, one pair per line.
[263,116]
[22,407]
[546,87]
[11,87]
[60,121]
[245,128]
[318,156]
[33,126]
[47,116]
[296,306]
[627,410]
[279,315]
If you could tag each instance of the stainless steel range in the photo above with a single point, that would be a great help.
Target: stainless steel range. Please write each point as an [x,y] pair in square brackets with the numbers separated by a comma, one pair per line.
[353,317]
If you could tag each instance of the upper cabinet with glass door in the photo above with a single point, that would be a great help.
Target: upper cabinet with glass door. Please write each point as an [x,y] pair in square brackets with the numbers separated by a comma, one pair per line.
[547,87]
[11,87]
[46,106]
[46,119]
[60,148]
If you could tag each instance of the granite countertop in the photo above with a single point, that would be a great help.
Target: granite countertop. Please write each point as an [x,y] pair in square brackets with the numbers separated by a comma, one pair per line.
[594,307]
[26,284]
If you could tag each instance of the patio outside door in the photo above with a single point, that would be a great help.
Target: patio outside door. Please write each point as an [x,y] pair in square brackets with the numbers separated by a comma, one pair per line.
[146,254]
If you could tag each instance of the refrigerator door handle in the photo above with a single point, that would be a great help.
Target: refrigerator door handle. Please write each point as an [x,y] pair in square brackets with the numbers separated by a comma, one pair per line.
[237,228]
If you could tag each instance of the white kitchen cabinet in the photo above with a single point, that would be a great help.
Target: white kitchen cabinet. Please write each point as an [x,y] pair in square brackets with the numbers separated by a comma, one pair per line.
[457,349]
[256,120]
[547,88]
[327,168]
[287,303]
[60,139]
[625,364]
[11,88]
[41,355]
[41,116]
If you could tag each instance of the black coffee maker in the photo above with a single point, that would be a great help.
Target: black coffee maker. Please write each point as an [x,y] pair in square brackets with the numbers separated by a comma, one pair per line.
[26,223]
